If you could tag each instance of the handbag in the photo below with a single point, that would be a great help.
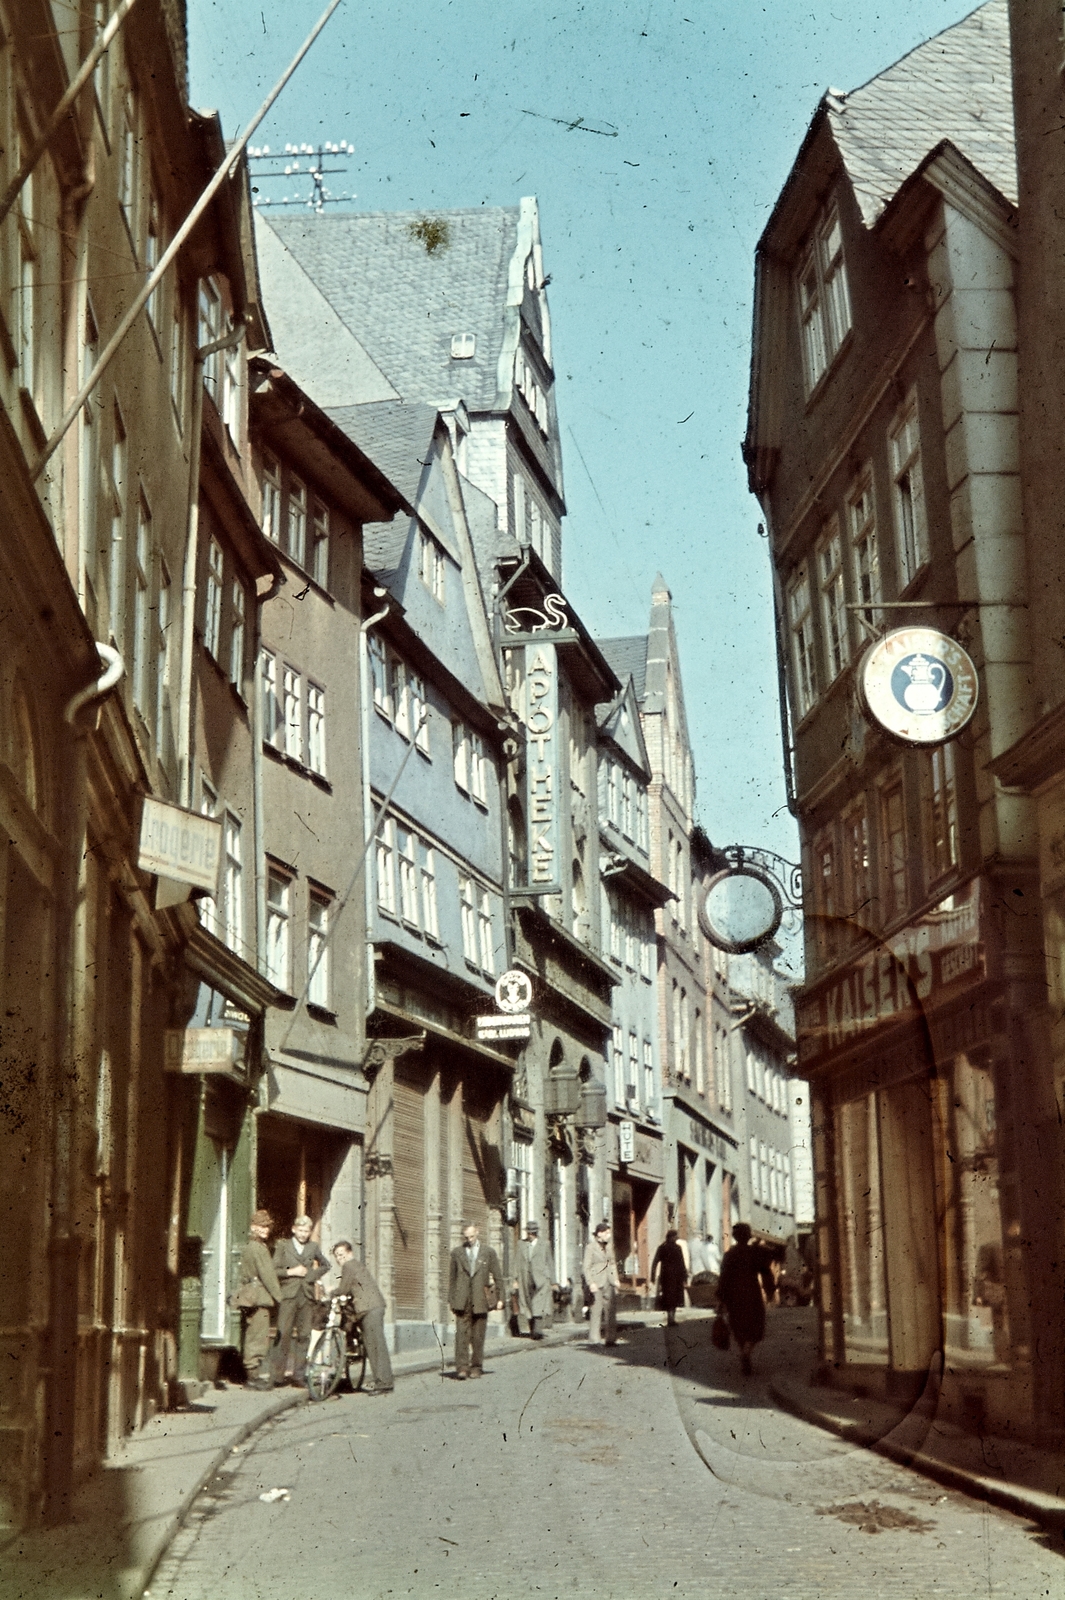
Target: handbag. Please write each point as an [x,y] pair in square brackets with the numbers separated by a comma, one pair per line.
[719,1333]
[251,1295]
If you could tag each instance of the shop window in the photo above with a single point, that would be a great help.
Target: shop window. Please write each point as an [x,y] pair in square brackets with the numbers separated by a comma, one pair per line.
[862,1288]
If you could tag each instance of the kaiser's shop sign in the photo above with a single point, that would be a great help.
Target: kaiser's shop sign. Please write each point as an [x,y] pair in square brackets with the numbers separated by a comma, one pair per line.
[919,685]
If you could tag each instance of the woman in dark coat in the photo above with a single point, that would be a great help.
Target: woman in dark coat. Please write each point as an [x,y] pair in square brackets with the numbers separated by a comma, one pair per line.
[742,1292]
[672,1270]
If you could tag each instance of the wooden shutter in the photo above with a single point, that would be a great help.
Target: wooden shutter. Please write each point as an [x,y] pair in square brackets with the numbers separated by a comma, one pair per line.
[408,1189]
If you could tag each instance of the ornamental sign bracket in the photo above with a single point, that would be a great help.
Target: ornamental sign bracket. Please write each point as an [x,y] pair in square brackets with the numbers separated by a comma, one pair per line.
[747,897]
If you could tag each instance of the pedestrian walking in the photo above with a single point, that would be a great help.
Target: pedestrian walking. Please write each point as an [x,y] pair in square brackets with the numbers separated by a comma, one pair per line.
[601,1275]
[475,1287]
[535,1281]
[256,1294]
[368,1304]
[672,1272]
[299,1263]
[743,1288]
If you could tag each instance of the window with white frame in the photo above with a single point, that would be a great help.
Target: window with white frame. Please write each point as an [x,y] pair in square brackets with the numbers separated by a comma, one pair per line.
[210,911]
[629,922]
[750,1071]
[615,927]
[212,603]
[648,1073]
[824,300]
[238,603]
[271,519]
[177,359]
[763,1162]
[676,1029]
[273,726]
[468,914]
[756,1175]
[460,746]
[162,655]
[642,834]
[117,554]
[292,712]
[801,624]
[408,876]
[431,565]
[942,812]
[231,371]
[386,866]
[319,566]
[632,1083]
[427,869]
[400,695]
[279,927]
[128,174]
[209,332]
[478,770]
[152,253]
[892,847]
[484,930]
[142,610]
[612,809]
[857,882]
[26,308]
[865,546]
[627,797]
[647,948]
[788,1201]
[382,692]
[296,507]
[830,581]
[319,905]
[234,883]
[911,524]
[618,1064]
[316,728]
[700,1066]
[419,713]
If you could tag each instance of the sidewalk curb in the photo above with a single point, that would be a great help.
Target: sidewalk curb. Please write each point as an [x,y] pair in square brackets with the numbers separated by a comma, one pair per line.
[1037,1506]
[271,1409]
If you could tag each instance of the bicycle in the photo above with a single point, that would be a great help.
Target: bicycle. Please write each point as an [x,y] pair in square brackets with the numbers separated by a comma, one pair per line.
[338,1353]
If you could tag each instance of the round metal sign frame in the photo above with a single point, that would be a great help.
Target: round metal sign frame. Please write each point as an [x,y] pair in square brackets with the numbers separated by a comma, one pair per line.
[741,947]
[514,992]
[919,686]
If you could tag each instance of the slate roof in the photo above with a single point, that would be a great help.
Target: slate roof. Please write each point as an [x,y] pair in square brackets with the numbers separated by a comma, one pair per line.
[628,658]
[396,437]
[956,86]
[402,302]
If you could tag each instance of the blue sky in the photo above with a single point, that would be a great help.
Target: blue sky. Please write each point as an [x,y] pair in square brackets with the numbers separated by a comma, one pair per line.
[649,228]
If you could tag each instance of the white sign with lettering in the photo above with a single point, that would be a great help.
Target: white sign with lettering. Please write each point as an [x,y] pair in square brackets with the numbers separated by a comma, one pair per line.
[542,778]
[176,843]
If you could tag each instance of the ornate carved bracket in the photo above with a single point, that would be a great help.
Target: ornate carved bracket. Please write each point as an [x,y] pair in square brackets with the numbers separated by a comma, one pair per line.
[379,1051]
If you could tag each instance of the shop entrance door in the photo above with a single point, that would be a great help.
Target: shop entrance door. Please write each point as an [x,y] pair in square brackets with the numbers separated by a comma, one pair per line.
[910,1228]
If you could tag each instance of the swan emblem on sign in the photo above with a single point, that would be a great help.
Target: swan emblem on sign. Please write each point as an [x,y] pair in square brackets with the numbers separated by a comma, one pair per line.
[528,619]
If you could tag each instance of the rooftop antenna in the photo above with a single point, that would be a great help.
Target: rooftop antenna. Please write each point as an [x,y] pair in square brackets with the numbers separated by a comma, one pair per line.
[305,163]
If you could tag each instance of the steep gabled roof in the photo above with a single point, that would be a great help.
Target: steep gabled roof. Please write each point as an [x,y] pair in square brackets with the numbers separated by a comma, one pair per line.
[956,86]
[401,300]
[628,659]
[396,437]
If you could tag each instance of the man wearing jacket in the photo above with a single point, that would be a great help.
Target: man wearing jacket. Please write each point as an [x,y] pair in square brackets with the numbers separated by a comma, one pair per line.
[299,1264]
[368,1304]
[256,1294]
[535,1278]
[474,1289]
[601,1275]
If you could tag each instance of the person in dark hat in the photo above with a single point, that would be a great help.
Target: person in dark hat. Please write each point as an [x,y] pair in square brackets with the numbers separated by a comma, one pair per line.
[671,1270]
[257,1293]
[745,1285]
[535,1278]
[601,1275]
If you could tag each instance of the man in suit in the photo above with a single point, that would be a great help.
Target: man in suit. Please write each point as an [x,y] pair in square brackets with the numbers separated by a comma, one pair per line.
[368,1304]
[601,1276]
[475,1288]
[535,1279]
[299,1264]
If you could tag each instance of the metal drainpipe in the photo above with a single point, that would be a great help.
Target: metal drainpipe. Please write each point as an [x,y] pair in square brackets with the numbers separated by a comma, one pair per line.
[188,580]
[367,804]
[779,635]
[64,1245]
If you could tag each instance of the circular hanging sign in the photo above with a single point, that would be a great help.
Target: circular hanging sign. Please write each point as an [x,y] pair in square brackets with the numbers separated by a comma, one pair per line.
[918,685]
[514,992]
[741,909]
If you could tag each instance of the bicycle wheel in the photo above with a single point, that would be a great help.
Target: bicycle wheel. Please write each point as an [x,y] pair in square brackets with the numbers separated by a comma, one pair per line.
[356,1360]
[325,1367]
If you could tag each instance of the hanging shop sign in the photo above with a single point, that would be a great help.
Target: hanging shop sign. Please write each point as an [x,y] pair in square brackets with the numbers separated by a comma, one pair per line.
[626,1141]
[513,1020]
[542,787]
[180,844]
[195,1050]
[919,685]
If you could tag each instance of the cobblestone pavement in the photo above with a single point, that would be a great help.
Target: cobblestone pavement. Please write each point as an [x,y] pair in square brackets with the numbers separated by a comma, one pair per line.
[647,1471]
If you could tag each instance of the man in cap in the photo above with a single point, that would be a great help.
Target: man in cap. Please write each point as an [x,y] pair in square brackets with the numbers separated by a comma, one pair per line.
[256,1294]
[299,1263]
[535,1278]
[601,1275]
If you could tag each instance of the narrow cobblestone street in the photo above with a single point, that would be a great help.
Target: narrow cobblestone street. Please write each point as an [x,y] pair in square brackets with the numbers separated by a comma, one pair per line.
[538,1480]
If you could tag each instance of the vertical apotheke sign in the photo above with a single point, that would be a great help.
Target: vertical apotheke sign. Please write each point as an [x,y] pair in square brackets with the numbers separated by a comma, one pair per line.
[542,804]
